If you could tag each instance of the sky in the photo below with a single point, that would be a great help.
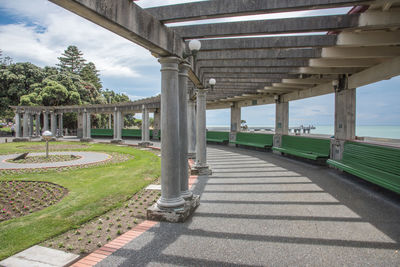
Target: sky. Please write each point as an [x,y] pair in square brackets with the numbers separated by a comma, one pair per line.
[38,31]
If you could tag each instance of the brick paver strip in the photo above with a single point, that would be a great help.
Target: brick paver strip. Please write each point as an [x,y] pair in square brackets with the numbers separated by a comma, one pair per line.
[106,250]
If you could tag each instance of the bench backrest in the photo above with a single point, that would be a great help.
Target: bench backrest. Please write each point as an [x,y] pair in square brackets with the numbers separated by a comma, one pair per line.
[257,138]
[378,157]
[306,144]
[101,132]
[132,132]
[218,135]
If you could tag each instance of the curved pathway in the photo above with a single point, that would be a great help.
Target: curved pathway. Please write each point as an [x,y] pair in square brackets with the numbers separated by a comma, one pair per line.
[86,158]
[261,209]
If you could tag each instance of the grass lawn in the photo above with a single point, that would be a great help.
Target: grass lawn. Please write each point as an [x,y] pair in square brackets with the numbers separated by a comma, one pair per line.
[92,192]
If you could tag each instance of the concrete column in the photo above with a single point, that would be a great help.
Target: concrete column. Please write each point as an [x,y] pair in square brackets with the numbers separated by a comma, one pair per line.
[18,125]
[53,123]
[191,118]
[236,119]
[345,121]
[37,122]
[281,122]
[156,124]
[84,125]
[170,183]
[109,121]
[201,166]
[60,125]
[25,131]
[183,131]
[120,120]
[145,127]
[45,121]
[89,126]
[31,125]
[115,136]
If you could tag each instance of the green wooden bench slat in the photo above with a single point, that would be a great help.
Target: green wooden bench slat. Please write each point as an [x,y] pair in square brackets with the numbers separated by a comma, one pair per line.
[377,164]
[305,147]
[218,137]
[131,133]
[254,139]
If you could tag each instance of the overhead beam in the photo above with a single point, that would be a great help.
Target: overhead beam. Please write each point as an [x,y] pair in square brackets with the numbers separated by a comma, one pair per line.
[259,54]
[369,38]
[330,70]
[245,80]
[290,85]
[269,42]
[231,8]
[128,20]
[333,62]
[275,26]
[247,75]
[360,52]
[252,63]
[306,81]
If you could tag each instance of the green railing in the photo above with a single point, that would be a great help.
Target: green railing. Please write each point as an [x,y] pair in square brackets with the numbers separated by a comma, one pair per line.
[254,139]
[305,147]
[377,164]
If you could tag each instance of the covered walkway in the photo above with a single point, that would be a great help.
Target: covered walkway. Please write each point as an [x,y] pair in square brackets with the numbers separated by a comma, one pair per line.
[262,209]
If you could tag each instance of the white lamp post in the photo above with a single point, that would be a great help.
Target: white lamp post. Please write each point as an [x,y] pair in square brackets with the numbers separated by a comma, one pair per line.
[47,135]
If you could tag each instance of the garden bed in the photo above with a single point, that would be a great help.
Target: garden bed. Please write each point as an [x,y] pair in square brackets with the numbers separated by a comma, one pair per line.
[44,159]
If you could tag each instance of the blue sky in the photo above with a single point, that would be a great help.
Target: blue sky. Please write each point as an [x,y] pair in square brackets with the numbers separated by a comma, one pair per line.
[39,31]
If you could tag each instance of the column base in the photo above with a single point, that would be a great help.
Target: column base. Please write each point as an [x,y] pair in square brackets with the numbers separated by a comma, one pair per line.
[179,214]
[21,139]
[192,155]
[276,152]
[145,144]
[86,140]
[117,141]
[232,145]
[200,170]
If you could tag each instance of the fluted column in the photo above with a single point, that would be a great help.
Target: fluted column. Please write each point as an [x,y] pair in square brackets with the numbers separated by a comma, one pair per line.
[89,126]
[170,182]
[191,119]
[45,121]
[37,122]
[120,120]
[201,143]
[18,125]
[30,125]
[84,124]
[156,125]
[183,131]
[53,123]
[25,130]
[115,125]
[60,125]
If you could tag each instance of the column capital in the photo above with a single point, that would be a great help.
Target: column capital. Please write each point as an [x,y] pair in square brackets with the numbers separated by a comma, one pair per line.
[169,63]
[184,69]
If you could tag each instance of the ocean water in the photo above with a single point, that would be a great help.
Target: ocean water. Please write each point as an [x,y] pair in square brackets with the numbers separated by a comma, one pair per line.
[361,130]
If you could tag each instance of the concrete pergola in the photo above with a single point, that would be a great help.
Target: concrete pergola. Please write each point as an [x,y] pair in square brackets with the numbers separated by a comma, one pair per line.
[252,64]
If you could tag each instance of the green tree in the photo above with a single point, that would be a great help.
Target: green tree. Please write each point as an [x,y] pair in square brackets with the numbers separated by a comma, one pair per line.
[71,60]
[90,74]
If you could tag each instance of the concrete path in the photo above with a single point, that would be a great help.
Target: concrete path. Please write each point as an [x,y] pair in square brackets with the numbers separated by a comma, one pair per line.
[86,158]
[261,209]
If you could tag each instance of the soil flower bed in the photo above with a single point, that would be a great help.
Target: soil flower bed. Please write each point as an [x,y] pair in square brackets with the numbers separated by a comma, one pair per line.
[43,159]
[18,198]
[98,232]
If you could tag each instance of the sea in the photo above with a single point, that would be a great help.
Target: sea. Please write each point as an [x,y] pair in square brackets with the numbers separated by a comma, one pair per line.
[392,132]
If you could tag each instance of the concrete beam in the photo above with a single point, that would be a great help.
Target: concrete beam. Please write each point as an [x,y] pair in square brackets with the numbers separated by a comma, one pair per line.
[245,80]
[275,26]
[252,63]
[259,54]
[243,70]
[231,8]
[128,20]
[330,70]
[369,38]
[306,81]
[341,63]
[269,42]
[247,75]
[290,85]
[279,89]
[379,20]
[360,52]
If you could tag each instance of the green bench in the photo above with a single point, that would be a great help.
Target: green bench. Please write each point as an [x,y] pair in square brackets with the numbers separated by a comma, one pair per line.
[377,164]
[102,132]
[254,140]
[217,137]
[305,147]
[137,133]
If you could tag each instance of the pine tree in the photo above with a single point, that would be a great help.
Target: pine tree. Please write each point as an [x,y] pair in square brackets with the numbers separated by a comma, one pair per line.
[71,60]
[90,74]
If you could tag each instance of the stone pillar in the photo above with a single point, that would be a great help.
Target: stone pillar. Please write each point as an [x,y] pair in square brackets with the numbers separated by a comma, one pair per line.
[31,125]
[60,125]
[145,128]
[156,125]
[120,121]
[25,130]
[84,125]
[170,183]
[191,118]
[201,166]
[53,123]
[236,119]
[79,128]
[89,126]
[183,131]
[45,121]
[37,122]
[18,125]
[345,121]
[109,121]
[281,122]
[115,135]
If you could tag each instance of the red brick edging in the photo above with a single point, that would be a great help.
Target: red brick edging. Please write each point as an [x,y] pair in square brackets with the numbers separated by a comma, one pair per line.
[106,250]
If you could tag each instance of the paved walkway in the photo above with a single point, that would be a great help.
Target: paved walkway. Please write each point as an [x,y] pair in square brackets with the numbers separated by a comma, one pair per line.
[85,158]
[260,209]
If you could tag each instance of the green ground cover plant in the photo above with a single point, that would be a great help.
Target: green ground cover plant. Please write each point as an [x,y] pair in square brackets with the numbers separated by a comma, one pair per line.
[92,192]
